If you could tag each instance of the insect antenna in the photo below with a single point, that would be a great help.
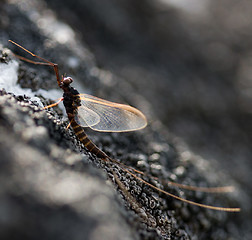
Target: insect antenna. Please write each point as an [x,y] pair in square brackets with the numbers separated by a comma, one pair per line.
[45,62]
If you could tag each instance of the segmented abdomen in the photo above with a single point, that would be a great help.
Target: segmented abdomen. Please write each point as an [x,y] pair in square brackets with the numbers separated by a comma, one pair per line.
[82,136]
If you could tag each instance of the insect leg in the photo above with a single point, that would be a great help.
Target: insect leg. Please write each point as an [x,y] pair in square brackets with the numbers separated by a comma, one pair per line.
[54,104]
[45,62]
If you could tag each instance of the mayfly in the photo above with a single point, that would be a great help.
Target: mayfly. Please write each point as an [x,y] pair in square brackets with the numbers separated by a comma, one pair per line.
[84,110]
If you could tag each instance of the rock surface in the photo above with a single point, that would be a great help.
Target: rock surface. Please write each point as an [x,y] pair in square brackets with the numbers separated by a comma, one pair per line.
[51,188]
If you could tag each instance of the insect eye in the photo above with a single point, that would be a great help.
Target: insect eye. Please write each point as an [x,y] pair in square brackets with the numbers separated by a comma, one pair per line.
[67,80]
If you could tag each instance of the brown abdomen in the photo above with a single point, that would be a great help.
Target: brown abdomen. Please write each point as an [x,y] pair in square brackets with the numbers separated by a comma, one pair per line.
[82,136]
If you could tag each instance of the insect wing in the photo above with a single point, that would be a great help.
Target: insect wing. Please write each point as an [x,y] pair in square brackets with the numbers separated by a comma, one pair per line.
[113,117]
[86,117]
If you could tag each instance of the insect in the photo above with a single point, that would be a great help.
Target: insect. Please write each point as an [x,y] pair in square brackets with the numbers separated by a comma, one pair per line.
[84,110]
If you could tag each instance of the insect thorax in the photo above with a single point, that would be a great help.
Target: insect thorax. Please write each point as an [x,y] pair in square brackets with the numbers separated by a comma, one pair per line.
[71,99]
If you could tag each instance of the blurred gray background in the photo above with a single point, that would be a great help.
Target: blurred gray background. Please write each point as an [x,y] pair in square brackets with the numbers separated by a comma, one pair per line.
[192,61]
[188,61]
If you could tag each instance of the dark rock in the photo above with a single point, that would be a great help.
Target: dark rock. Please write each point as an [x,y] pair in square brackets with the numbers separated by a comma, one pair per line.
[51,188]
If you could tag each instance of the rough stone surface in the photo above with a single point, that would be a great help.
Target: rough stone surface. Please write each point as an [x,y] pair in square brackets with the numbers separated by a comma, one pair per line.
[154,57]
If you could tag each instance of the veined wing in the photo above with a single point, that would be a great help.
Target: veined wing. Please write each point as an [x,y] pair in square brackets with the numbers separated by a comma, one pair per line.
[113,117]
[86,117]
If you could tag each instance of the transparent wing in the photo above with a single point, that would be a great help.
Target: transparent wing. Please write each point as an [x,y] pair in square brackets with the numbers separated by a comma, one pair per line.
[86,117]
[108,116]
